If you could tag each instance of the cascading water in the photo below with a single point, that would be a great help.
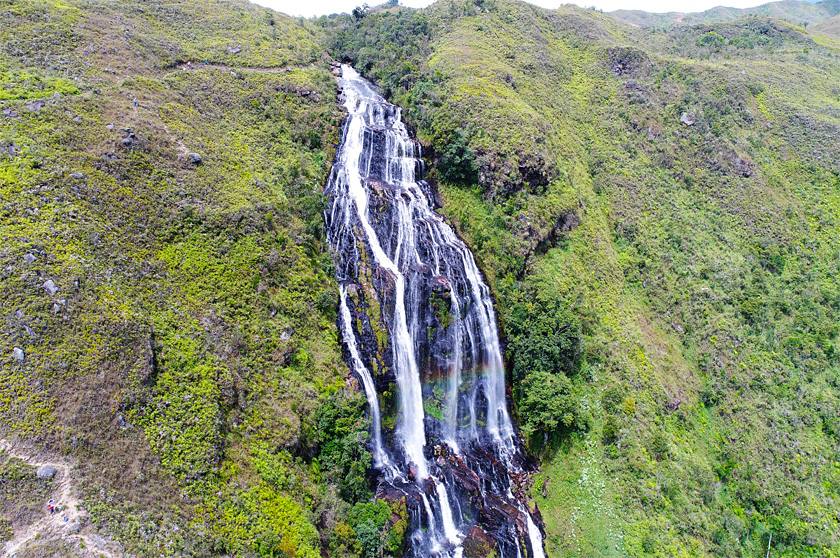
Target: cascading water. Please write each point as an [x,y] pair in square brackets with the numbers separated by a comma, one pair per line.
[419,328]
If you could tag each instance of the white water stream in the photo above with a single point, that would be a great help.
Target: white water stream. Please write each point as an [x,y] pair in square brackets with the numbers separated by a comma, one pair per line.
[384,232]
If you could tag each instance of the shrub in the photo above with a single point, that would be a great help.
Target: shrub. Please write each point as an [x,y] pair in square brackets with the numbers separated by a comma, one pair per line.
[549,405]
[379,527]
[713,40]
[339,435]
[611,430]
[456,162]
[545,339]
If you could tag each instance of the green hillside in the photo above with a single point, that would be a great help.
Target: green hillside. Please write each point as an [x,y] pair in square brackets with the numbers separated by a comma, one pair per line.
[658,213]
[165,275]
[794,11]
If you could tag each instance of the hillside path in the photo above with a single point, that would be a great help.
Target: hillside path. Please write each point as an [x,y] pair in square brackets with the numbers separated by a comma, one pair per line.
[67,523]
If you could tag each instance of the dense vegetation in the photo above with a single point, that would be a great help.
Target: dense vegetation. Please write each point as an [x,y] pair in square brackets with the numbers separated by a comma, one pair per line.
[799,12]
[657,211]
[658,214]
[165,275]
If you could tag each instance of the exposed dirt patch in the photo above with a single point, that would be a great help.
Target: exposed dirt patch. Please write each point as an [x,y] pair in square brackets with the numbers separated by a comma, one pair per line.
[66,526]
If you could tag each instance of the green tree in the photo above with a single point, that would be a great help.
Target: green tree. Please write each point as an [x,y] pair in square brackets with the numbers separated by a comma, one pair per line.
[548,405]
[457,161]
[340,435]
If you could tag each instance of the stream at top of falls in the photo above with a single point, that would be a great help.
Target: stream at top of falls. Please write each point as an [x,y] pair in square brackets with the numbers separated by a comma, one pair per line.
[419,330]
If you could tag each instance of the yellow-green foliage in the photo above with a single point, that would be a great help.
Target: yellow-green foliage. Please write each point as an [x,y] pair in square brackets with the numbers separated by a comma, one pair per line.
[191,343]
[700,261]
[16,85]
[269,523]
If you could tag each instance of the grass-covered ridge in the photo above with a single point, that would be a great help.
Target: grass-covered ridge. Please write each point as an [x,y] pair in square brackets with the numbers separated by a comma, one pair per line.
[658,215]
[165,275]
[657,211]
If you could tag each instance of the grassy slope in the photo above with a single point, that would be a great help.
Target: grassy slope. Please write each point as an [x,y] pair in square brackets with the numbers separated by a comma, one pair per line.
[794,11]
[703,269]
[830,27]
[191,345]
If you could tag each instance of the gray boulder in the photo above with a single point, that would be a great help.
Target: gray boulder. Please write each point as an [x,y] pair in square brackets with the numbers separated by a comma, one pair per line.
[46,472]
[50,287]
[18,353]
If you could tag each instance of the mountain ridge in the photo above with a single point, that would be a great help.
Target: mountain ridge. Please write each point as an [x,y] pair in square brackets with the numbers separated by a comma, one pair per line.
[800,12]
[655,210]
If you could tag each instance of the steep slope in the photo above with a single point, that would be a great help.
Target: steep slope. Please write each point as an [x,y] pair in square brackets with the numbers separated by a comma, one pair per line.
[793,11]
[168,307]
[658,215]
[830,27]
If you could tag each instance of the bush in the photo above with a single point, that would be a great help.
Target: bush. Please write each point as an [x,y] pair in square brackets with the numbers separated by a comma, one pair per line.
[549,405]
[456,162]
[713,40]
[379,527]
[544,339]
[611,430]
[339,435]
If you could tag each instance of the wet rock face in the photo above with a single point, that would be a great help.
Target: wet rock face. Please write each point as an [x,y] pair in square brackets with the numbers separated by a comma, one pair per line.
[478,544]
[420,333]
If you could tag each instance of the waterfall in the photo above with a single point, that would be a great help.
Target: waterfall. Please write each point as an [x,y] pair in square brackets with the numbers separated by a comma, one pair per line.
[420,332]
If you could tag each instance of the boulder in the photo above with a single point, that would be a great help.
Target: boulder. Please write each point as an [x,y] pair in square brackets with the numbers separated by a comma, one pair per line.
[687,119]
[440,283]
[129,140]
[18,353]
[195,158]
[50,287]
[35,106]
[46,472]
[628,61]
[478,544]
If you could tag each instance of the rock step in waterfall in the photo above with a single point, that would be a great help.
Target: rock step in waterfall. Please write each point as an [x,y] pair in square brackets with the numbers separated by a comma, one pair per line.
[419,329]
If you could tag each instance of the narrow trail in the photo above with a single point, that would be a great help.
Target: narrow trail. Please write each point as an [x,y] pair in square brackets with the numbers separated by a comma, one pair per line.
[192,66]
[67,524]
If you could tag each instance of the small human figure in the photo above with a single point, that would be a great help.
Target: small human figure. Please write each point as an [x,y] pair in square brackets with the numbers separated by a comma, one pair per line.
[51,506]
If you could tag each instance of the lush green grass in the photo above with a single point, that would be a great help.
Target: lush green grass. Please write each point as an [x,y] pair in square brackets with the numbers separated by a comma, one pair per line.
[696,265]
[190,355]
[668,292]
